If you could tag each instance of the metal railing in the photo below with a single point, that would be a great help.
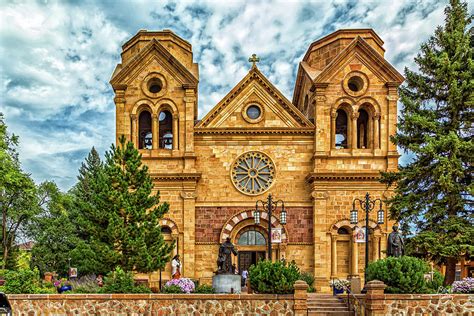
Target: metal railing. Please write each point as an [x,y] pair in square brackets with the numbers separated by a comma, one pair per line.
[359,305]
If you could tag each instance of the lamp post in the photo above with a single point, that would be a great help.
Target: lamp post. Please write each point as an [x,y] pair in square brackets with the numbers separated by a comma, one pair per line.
[367,205]
[270,205]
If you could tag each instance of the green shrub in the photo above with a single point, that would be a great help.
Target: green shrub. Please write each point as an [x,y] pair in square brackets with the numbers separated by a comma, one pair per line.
[84,285]
[273,277]
[309,279]
[437,283]
[23,281]
[204,289]
[401,275]
[119,281]
[171,289]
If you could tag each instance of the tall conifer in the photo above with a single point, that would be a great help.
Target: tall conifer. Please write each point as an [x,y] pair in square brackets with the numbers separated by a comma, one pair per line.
[434,190]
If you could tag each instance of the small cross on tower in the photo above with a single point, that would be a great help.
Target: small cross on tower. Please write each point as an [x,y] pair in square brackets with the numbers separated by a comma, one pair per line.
[254,59]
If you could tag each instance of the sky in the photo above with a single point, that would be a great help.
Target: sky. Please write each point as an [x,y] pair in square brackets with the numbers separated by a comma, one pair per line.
[57,57]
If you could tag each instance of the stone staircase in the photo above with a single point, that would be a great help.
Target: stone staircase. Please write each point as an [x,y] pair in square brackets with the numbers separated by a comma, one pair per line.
[327,305]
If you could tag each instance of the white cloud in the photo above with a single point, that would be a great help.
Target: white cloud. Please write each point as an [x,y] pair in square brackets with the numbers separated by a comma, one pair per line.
[57,58]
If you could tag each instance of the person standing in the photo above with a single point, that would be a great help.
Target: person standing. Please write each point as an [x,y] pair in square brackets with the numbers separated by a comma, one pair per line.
[245,275]
[176,267]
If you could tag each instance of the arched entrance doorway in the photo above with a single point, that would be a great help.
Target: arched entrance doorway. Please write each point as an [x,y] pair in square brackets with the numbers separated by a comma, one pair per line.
[252,246]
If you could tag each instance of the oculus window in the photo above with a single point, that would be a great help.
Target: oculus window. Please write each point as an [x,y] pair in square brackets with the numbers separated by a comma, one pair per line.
[253,173]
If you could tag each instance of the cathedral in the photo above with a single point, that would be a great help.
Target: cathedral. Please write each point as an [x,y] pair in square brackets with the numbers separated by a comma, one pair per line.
[313,154]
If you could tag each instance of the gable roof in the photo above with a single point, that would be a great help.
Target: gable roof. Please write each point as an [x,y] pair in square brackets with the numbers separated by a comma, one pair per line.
[254,75]
[153,47]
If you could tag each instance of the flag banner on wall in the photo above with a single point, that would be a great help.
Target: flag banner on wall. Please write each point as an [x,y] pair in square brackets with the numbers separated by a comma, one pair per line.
[276,235]
[359,234]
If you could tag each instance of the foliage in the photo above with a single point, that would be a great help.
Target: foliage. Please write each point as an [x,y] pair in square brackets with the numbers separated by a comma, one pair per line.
[402,275]
[53,231]
[186,285]
[463,286]
[435,284]
[309,279]
[84,285]
[171,289]
[61,282]
[204,289]
[23,259]
[119,281]
[24,281]
[18,196]
[273,277]
[340,284]
[434,190]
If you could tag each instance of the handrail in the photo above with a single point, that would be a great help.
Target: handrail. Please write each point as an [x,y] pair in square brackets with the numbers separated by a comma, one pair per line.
[349,293]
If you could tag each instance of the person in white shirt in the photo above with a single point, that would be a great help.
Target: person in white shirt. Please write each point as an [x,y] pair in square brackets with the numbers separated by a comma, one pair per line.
[176,267]
[245,275]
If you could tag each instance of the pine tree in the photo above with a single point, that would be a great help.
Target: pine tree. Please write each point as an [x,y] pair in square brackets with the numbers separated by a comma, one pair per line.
[134,212]
[434,190]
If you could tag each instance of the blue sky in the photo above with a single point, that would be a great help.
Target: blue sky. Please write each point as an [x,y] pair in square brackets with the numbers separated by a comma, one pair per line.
[56,58]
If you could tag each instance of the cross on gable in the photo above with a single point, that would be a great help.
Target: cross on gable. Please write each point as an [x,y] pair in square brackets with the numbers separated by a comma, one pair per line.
[254,59]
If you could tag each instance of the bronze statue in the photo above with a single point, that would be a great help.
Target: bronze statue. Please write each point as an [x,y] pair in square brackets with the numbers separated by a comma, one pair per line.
[224,260]
[395,246]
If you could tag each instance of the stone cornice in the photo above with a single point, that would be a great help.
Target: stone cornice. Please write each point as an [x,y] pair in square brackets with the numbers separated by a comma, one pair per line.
[333,176]
[175,176]
[264,130]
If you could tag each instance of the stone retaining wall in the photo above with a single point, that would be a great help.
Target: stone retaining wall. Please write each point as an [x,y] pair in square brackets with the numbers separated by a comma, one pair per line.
[151,304]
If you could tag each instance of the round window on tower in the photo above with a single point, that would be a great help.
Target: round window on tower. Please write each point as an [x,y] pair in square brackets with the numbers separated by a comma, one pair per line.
[155,85]
[355,83]
[253,112]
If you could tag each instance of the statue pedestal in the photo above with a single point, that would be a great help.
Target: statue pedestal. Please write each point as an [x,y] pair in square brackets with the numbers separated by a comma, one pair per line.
[226,283]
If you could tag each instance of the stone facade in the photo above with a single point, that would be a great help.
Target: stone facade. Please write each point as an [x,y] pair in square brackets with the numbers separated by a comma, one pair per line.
[324,148]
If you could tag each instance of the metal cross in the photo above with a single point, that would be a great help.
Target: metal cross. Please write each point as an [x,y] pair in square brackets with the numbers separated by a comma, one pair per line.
[254,59]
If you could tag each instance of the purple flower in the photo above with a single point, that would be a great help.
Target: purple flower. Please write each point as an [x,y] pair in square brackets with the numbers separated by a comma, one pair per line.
[463,286]
[185,284]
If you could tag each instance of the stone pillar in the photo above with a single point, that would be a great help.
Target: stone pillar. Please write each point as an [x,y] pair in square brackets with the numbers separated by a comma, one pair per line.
[189,226]
[121,119]
[175,132]
[333,256]
[354,118]
[376,248]
[187,124]
[301,298]
[155,131]
[354,257]
[375,298]
[376,131]
[333,129]
[134,137]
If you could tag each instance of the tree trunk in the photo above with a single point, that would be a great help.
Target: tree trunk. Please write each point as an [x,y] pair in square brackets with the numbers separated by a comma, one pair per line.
[450,271]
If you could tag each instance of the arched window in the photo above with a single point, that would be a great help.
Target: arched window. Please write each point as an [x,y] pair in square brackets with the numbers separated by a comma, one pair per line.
[341,136]
[144,131]
[165,230]
[166,130]
[251,238]
[363,129]
[343,231]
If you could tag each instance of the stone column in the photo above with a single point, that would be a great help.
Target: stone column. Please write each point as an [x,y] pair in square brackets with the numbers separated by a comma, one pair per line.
[354,257]
[354,118]
[155,131]
[333,129]
[375,298]
[189,197]
[187,124]
[175,132]
[122,126]
[134,136]
[333,256]
[376,248]
[301,298]
[376,131]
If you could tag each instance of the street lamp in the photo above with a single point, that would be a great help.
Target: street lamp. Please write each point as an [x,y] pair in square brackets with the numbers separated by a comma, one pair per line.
[270,206]
[368,205]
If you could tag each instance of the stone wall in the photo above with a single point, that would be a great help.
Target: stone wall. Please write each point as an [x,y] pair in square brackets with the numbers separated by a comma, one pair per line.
[151,304]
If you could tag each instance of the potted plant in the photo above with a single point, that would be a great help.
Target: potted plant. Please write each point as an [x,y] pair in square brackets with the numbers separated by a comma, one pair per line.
[62,285]
[339,286]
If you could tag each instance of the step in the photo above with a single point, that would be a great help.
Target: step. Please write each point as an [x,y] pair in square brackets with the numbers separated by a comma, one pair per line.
[337,313]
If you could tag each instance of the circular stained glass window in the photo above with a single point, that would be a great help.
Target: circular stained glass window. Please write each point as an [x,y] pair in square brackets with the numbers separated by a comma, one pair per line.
[253,112]
[253,173]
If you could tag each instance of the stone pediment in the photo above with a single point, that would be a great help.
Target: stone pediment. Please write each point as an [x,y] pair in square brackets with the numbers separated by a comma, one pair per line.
[365,54]
[154,51]
[254,89]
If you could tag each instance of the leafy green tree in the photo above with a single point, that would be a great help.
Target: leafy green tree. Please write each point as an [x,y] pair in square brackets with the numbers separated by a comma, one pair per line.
[434,190]
[19,201]
[134,212]
[53,231]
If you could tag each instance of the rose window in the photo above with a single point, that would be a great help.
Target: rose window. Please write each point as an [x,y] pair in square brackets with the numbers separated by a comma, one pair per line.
[253,173]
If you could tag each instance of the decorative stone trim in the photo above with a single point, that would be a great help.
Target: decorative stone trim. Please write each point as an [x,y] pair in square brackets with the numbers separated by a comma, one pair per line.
[171,224]
[247,131]
[342,177]
[175,176]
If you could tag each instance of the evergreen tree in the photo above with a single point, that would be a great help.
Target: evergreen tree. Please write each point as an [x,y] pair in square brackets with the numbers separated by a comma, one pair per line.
[434,190]
[134,212]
